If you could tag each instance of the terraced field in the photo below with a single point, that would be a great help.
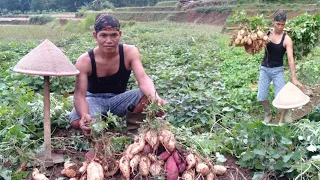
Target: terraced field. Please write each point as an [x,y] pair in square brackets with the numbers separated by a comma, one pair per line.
[216,13]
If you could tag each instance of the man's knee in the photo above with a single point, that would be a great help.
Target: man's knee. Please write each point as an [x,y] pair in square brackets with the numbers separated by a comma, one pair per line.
[75,124]
[142,104]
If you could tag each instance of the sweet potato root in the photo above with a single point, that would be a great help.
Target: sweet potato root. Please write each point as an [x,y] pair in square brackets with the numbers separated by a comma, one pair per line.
[113,171]
[177,157]
[171,146]
[84,167]
[167,139]
[125,167]
[144,165]
[171,169]
[36,175]
[70,173]
[188,175]
[191,161]
[219,170]
[202,168]
[210,176]
[152,138]
[182,167]
[164,155]
[155,169]
[134,162]
[95,171]
[89,156]
[138,148]
[147,148]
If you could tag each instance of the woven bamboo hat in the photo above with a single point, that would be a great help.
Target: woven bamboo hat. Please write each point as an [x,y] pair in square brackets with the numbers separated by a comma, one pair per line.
[46,60]
[290,96]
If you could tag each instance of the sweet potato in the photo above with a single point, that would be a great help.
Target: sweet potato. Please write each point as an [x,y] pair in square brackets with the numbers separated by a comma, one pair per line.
[134,162]
[166,135]
[202,168]
[68,164]
[63,172]
[144,165]
[89,156]
[152,157]
[138,148]
[156,146]
[191,161]
[127,152]
[210,176]
[171,145]
[36,175]
[182,167]
[188,175]
[155,169]
[219,170]
[177,157]
[147,148]
[151,137]
[70,173]
[95,171]
[113,171]
[171,169]
[84,167]
[83,176]
[125,167]
[69,169]
[164,155]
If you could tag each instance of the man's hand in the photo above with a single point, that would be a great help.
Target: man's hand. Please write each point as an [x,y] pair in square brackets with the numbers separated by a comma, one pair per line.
[297,83]
[160,101]
[85,124]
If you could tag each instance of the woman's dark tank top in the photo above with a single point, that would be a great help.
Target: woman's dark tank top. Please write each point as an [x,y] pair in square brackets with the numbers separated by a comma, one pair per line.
[115,83]
[273,56]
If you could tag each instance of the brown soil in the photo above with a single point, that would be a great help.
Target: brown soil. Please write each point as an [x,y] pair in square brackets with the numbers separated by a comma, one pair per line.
[234,171]
[314,94]
[213,18]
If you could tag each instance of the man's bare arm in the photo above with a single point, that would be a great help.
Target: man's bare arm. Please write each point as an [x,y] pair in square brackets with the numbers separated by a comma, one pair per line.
[289,48]
[81,86]
[145,83]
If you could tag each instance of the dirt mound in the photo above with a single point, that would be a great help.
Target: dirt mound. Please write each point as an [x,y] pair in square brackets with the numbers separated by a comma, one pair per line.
[212,18]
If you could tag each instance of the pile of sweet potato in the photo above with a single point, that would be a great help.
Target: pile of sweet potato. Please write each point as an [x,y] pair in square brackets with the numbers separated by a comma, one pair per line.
[253,40]
[154,153]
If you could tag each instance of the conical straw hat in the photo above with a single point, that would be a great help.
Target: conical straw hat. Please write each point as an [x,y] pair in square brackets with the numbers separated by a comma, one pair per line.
[46,60]
[290,96]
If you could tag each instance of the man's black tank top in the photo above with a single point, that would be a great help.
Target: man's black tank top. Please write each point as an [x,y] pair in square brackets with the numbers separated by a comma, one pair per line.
[115,83]
[273,56]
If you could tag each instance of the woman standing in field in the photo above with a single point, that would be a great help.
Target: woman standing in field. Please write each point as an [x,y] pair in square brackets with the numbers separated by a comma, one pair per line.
[272,64]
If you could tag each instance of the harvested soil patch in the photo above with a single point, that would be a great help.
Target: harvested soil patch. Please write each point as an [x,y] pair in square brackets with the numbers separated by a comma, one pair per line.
[234,171]
[213,18]
[314,94]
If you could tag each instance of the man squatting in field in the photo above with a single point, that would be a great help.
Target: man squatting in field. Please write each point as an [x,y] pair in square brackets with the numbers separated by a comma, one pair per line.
[104,73]
[272,64]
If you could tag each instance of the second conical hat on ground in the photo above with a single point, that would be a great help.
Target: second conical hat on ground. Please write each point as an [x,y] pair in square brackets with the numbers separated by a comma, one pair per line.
[290,96]
[46,60]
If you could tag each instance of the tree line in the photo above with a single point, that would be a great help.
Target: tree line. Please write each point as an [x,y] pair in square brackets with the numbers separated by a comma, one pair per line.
[69,5]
